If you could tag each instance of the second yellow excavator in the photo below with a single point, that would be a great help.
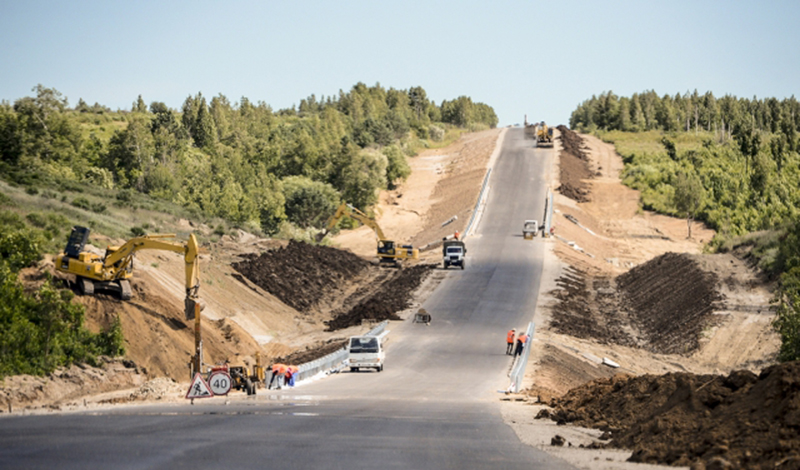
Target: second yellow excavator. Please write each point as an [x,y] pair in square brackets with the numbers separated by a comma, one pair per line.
[388,250]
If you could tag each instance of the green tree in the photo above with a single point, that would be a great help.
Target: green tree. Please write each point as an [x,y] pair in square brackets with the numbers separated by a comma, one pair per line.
[688,197]
[397,167]
[309,203]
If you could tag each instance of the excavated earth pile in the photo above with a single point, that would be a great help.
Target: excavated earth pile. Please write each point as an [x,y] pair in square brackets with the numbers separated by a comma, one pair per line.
[573,166]
[670,300]
[662,305]
[300,274]
[709,421]
[305,276]
[392,296]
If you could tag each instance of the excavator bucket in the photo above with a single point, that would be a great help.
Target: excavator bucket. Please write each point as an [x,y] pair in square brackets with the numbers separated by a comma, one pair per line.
[192,307]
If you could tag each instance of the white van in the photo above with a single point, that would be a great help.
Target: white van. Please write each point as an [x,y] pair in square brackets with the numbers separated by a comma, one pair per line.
[366,352]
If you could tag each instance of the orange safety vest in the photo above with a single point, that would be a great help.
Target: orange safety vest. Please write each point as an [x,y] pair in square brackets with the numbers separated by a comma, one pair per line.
[510,337]
[276,367]
[523,338]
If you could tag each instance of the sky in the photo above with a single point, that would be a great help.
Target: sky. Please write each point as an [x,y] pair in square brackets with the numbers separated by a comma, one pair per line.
[540,58]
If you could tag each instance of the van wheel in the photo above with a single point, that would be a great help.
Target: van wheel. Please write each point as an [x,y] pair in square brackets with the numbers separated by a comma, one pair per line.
[354,369]
[380,369]
[462,264]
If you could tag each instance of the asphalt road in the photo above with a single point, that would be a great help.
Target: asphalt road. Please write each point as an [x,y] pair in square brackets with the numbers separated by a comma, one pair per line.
[434,406]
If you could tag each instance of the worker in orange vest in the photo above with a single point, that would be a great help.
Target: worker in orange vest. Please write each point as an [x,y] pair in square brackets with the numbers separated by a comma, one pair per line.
[521,340]
[290,375]
[510,341]
[278,370]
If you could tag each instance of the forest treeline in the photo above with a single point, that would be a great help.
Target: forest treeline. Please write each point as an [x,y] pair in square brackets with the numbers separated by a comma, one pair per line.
[243,161]
[687,112]
[731,162]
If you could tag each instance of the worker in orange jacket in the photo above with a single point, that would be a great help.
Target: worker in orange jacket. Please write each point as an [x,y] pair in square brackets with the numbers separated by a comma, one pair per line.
[521,340]
[277,375]
[510,341]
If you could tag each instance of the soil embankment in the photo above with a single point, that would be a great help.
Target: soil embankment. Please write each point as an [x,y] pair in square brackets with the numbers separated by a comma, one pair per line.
[662,306]
[303,275]
[741,420]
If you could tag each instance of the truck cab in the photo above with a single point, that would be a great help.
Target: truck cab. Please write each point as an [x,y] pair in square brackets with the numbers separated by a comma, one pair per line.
[530,229]
[366,352]
[453,253]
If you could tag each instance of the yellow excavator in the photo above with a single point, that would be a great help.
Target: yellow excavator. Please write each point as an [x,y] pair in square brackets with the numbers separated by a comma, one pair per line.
[388,250]
[113,271]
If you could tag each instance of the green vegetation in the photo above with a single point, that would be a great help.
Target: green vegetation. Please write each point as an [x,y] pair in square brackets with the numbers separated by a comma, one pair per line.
[41,329]
[733,163]
[227,160]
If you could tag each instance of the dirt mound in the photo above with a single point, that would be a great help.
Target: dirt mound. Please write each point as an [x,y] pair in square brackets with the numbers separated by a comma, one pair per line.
[391,297]
[573,166]
[300,274]
[662,305]
[588,307]
[312,352]
[742,420]
[670,299]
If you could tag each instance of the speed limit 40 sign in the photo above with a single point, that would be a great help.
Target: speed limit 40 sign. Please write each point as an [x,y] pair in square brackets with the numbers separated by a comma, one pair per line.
[220,383]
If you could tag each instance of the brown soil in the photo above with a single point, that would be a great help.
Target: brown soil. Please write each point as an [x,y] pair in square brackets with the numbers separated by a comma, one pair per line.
[573,162]
[741,420]
[662,306]
[313,352]
[300,274]
[393,296]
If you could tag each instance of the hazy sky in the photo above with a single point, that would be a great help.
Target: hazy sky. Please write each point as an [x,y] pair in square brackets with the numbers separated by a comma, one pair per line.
[536,57]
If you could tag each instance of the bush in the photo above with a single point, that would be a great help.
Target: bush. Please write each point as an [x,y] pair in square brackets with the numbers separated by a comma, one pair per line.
[137,231]
[82,203]
[5,200]
[309,203]
[31,190]
[98,207]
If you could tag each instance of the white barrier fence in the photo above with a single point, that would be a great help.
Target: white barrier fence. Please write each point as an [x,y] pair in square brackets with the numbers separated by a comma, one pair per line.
[518,370]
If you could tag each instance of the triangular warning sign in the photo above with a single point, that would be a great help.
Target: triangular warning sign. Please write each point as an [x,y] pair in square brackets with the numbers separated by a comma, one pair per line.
[199,388]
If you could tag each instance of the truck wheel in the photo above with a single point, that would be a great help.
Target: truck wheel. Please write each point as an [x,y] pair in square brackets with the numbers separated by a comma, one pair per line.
[354,369]
[380,369]
[248,386]
[444,265]
[462,264]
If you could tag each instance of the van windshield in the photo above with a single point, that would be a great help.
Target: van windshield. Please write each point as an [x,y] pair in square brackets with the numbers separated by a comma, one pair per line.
[363,345]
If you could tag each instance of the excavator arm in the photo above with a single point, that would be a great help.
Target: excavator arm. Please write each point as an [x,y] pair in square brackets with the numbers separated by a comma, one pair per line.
[348,210]
[120,258]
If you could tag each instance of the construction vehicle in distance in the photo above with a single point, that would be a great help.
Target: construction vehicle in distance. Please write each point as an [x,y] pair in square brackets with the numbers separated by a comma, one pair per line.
[453,253]
[530,229]
[388,250]
[113,271]
[544,136]
[241,378]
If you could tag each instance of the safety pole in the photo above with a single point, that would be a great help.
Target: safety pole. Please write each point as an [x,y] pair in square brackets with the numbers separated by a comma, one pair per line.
[198,341]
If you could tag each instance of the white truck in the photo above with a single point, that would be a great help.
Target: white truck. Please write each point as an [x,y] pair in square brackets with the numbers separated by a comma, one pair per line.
[453,253]
[366,352]
[530,229]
